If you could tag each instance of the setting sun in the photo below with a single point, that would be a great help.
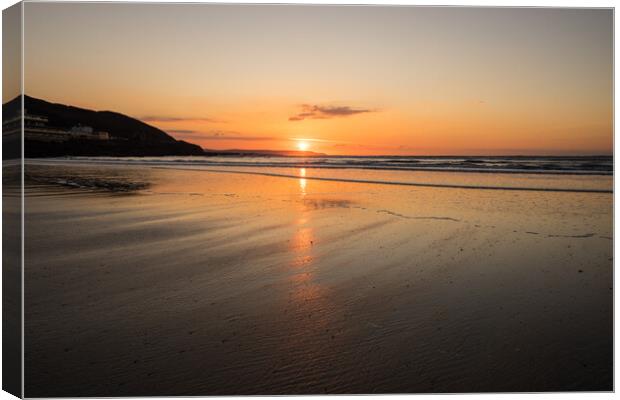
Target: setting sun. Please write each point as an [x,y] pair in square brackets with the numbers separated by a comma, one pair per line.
[302,145]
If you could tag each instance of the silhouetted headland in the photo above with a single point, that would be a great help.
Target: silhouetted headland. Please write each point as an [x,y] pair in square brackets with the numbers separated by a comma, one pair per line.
[52,130]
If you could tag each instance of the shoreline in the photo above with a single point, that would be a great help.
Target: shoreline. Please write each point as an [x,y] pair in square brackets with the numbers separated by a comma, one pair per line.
[468,180]
[131,161]
[373,182]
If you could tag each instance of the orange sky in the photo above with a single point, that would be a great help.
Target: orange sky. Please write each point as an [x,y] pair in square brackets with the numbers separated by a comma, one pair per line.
[348,80]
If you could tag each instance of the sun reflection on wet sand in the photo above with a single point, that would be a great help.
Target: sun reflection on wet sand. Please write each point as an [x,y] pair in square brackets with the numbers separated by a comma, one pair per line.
[302,241]
[301,245]
[310,312]
[303,238]
[302,181]
[305,292]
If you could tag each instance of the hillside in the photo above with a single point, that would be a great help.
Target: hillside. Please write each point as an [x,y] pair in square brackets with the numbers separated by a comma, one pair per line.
[128,136]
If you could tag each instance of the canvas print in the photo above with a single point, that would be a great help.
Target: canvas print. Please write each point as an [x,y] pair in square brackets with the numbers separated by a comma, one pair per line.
[221,199]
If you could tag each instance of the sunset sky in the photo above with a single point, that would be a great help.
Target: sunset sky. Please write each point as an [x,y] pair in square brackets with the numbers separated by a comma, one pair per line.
[336,79]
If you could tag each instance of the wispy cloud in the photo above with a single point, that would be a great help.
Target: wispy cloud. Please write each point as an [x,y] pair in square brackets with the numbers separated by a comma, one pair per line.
[240,138]
[370,147]
[314,111]
[217,135]
[159,118]
[304,139]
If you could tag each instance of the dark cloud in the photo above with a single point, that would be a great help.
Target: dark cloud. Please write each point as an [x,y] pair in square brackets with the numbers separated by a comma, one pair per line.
[309,111]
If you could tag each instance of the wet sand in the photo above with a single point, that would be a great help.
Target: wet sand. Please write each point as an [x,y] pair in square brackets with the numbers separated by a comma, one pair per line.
[167,282]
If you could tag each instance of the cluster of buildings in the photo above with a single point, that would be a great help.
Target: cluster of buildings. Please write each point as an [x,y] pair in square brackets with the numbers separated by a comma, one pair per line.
[36,128]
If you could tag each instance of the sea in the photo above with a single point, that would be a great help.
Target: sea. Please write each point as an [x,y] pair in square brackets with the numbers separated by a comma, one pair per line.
[550,173]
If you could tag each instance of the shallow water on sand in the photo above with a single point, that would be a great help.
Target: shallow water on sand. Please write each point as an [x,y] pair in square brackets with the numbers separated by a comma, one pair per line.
[150,281]
[567,181]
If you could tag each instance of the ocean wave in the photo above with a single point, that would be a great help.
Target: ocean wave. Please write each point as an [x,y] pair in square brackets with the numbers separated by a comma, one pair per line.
[554,182]
[600,165]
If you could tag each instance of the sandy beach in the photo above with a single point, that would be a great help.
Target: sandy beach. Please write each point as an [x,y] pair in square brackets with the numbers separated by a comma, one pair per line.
[152,281]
